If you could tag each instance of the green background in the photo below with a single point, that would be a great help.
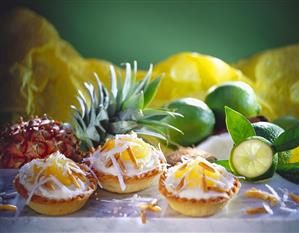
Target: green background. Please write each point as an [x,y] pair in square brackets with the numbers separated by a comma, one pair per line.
[150,31]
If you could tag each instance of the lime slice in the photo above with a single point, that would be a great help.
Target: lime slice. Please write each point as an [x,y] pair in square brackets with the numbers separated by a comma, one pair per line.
[254,159]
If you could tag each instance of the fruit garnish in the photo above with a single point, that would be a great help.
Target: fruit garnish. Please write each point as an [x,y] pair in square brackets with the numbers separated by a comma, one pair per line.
[254,159]
[271,131]
[120,110]
[197,124]
[134,148]
[198,173]
[37,138]
[64,170]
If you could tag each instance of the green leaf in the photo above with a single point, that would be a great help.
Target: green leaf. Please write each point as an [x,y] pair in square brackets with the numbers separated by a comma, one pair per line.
[238,125]
[289,171]
[113,82]
[151,112]
[130,114]
[151,91]
[287,140]
[127,82]
[120,127]
[160,124]
[225,164]
[144,82]
[135,101]
[144,131]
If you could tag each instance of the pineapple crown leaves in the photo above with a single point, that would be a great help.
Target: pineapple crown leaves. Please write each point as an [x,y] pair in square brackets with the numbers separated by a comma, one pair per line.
[120,110]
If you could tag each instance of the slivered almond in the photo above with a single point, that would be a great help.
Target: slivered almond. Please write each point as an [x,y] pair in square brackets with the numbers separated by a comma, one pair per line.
[132,157]
[217,189]
[74,180]
[92,149]
[104,147]
[204,183]
[121,164]
[108,163]
[180,185]
[49,186]
[143,216]
[117,156]
[259,194]
[294,197]
[82,177]
[154,208]
[8,207]
[182,167]
[154,202]
[258,210]
[207,167]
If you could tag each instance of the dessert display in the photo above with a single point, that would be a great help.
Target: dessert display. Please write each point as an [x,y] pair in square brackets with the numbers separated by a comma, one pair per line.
[117,134]
[55,185]
[36,138]
[197,187]
[126,164]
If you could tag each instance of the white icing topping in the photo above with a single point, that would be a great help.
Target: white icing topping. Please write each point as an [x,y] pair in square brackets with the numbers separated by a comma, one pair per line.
[150,161]
[224,180]
[33,183]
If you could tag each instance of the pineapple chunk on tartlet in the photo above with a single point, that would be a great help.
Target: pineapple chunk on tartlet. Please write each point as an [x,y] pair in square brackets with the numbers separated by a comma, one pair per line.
[126,164]
[55,185]
[197,187]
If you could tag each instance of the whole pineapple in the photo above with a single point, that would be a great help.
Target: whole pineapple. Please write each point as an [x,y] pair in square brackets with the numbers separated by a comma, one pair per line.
[121,110]
[37,138]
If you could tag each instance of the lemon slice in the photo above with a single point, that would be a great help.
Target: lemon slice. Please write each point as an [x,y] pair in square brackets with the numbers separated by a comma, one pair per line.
[254,159]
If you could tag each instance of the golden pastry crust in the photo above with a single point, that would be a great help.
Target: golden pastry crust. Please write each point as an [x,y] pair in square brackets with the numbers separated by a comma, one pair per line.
[133,183]
[53,207]
[196,207]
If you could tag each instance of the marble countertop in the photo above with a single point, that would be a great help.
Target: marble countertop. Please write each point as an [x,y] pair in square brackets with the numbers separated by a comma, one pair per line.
[107,212]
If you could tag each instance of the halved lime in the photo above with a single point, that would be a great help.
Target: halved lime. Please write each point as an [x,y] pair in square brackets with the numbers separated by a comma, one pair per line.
[254,159]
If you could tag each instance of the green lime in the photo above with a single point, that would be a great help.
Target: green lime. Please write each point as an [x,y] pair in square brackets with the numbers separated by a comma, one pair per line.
[197,124]
[236,95]
[286,122]
[271,131]
[254,159]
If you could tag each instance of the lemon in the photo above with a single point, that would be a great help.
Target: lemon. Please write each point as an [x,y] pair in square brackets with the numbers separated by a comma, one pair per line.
[295,155]
[236,95]
[197,123]
[191,75]
[254,159]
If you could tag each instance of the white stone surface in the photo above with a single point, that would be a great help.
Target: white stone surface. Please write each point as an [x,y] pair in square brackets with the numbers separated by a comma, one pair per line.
[107,212]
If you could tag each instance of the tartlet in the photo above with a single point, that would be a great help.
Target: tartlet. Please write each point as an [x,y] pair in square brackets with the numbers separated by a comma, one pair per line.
[126,164]
[197,187]
[55,185]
